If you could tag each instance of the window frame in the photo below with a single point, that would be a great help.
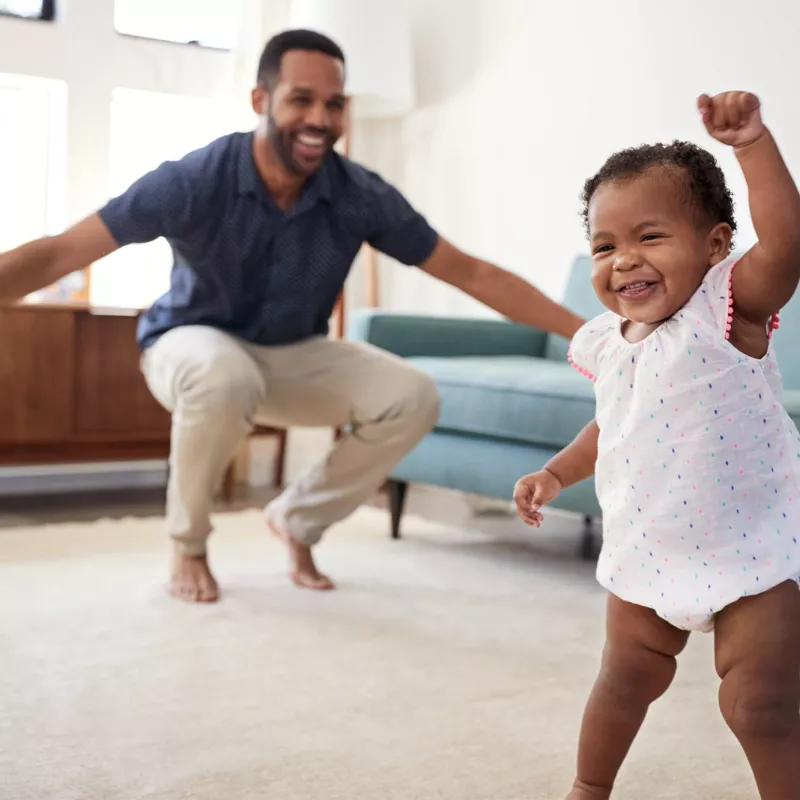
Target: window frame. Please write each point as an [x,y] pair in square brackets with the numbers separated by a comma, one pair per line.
[47,13]
[196,43]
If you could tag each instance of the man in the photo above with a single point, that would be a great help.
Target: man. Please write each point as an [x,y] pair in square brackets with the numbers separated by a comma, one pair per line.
[264,227]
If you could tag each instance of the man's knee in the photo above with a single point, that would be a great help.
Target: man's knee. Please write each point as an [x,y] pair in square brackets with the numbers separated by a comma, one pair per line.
[758,705]
[420,400]
[219,381]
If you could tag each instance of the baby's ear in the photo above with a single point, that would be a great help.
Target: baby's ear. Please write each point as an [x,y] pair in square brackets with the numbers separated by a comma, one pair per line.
[719,243]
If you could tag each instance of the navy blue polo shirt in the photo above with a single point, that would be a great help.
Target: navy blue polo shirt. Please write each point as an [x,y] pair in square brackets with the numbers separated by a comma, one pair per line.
[242,264]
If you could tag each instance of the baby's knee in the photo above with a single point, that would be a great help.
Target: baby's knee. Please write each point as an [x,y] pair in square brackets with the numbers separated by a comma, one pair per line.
[758,706]
[636,675]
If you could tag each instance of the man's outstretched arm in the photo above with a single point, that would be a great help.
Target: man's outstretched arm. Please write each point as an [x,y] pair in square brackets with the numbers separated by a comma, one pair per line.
[41,263]
[500,289]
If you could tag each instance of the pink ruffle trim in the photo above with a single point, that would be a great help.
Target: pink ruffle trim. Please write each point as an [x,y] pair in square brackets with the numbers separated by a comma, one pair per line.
[774,320]
[584,372]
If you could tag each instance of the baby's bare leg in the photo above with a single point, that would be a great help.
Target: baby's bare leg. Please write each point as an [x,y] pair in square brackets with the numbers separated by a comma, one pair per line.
[758,659]
[638,667]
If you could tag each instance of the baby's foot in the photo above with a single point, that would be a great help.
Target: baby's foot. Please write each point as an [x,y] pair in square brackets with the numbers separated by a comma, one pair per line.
[580,791]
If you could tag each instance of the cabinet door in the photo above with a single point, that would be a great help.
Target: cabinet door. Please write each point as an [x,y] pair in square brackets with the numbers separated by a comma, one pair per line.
[111,396]
[36,351]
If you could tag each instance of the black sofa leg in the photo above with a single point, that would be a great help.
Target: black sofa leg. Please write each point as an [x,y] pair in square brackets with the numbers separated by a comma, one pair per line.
[588,541]
[397,500]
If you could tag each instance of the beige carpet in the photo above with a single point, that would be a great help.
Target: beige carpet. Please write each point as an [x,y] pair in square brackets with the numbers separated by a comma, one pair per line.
[448,665]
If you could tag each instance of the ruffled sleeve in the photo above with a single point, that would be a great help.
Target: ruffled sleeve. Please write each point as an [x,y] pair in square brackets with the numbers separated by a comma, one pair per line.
[717,292]
[587,345]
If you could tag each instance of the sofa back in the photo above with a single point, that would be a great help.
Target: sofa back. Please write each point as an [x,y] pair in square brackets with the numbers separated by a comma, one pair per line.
[580,298]
[410,335]
[786,342]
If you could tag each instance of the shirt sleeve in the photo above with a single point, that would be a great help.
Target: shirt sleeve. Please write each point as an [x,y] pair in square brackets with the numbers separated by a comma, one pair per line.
[587,345]
[397,229]
[164,202]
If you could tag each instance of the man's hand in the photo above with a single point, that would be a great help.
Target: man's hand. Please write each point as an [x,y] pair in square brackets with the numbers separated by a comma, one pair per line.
[532,492]
[733,118]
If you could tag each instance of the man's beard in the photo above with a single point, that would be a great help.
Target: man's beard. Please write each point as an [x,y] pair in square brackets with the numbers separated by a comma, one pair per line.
[282,145]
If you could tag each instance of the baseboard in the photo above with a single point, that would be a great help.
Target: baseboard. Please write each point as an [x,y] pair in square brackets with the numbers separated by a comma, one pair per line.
[82,477]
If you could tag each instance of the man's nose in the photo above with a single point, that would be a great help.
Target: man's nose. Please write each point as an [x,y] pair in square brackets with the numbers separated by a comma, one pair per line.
[318,116]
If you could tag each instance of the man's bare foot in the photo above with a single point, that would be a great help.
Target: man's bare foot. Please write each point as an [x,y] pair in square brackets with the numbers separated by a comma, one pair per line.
[581,791]
[304,571]
[192,580]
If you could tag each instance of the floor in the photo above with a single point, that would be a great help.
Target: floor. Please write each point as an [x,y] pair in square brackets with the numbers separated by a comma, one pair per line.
[452,664]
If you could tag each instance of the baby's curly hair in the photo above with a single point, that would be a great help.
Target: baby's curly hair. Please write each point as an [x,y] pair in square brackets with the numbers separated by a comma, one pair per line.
[702,179]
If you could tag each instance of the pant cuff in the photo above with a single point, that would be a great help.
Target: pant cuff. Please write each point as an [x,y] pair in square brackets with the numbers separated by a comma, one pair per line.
[190,547]
[307,535]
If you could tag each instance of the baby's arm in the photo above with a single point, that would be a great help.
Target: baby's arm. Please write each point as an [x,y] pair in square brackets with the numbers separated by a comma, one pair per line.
[571,465]
[576,461]
[766,277]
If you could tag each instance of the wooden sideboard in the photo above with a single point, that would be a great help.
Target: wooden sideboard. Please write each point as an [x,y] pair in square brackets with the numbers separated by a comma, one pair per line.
[71,389]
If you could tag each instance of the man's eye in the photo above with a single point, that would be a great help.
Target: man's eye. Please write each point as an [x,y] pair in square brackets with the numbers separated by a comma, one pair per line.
[302,101]
[337,105]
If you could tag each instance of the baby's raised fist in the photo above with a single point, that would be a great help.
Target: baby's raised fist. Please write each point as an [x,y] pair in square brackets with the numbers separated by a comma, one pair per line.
[733,118]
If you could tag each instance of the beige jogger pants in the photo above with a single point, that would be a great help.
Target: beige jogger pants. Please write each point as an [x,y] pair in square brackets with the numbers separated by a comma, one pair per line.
[216,386]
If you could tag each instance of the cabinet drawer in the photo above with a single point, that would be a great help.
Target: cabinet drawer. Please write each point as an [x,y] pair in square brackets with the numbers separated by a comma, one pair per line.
[36,363]
[111,396]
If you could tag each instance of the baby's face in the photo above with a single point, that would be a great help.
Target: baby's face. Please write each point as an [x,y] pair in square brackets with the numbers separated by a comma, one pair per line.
[649,253]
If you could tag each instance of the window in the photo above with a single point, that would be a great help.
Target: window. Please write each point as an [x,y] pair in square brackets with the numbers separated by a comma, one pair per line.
[209,23]
[32,9]
[32,158]
[148,128]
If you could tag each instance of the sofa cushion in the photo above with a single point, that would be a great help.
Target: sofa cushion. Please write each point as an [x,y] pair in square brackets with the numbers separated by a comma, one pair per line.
[519,398]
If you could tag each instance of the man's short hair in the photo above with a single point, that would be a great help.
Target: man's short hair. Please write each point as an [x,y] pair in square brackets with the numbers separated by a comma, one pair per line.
[269,67]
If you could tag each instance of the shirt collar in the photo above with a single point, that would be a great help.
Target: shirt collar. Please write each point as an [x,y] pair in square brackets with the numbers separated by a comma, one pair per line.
[249,182]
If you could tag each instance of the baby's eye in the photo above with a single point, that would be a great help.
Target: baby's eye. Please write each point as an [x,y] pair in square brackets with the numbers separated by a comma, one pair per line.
[603,248]
[649,237]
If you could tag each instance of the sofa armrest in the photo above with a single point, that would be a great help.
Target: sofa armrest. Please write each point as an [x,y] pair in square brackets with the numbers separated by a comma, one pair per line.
[411,335]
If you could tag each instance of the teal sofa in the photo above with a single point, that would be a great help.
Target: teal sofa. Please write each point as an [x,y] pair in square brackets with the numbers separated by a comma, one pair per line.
[510,399]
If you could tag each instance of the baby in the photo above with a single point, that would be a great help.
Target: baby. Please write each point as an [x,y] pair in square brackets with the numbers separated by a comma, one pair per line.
[697,464]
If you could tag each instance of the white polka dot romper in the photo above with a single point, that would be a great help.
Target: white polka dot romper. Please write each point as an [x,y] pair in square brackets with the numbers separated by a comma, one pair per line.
[698,467]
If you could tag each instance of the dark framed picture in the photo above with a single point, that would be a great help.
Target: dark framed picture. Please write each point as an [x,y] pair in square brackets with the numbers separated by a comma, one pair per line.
[29,9]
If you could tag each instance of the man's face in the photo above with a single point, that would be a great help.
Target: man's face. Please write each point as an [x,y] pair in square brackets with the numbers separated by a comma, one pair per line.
[305,110]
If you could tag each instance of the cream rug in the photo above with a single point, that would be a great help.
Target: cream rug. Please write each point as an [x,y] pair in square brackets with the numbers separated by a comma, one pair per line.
[448,665]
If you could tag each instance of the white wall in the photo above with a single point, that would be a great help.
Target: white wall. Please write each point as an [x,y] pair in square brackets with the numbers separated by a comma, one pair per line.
[521,100]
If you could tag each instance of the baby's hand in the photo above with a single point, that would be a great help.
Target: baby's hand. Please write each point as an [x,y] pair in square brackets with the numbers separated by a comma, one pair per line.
[733,118]
[532,492]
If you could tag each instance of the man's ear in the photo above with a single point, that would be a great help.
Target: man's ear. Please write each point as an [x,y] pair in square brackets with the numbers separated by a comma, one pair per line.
[260,100]
[719,243]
